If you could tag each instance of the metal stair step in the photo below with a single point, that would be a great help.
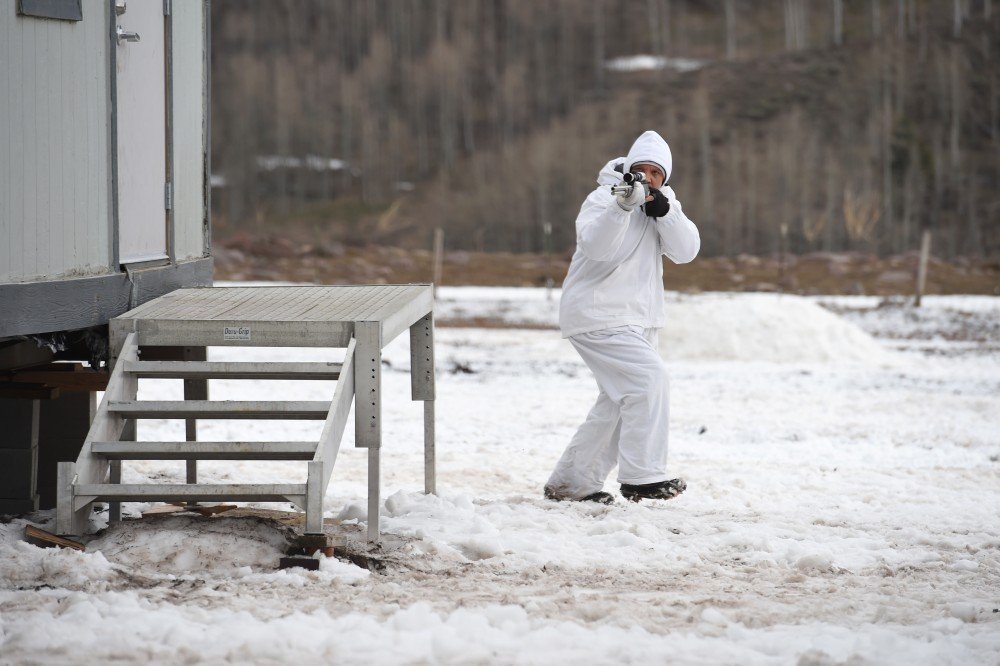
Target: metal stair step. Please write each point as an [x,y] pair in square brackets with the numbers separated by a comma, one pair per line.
[194,492]
[232,370]
[204,450]
[221,409]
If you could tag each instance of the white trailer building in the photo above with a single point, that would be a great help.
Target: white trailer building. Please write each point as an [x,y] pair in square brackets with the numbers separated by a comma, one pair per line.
[104,204]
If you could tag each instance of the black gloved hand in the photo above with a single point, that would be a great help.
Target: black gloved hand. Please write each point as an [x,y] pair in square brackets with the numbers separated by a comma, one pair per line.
[659,206]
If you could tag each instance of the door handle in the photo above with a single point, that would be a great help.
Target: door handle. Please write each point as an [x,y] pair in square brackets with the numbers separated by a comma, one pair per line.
[124,36]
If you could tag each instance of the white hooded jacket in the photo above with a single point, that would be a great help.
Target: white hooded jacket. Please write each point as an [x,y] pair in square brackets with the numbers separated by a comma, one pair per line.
[616,275]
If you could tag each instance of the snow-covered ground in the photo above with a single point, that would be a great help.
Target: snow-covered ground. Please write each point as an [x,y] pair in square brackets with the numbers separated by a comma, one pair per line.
[842,507]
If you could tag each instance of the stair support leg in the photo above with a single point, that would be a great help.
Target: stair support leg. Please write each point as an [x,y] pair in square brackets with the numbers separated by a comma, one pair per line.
[115,476]
[115,471]
[65,471]
[314,498]
[69,520]
[194,389]
[422,388]
[374,492]
[430,464]
[368,411]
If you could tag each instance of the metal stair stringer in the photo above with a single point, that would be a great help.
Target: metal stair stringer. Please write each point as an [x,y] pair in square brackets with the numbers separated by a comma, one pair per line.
[91,478]
[72,513]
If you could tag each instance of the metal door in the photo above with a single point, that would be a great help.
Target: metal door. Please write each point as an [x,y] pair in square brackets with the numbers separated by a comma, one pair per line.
[141,125]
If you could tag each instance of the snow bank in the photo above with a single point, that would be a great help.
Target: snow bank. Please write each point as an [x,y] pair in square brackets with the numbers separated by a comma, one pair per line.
[493,633]
[711,327]
[763,327]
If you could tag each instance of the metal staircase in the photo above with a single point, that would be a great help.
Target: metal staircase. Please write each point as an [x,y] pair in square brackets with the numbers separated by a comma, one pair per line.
[96,474]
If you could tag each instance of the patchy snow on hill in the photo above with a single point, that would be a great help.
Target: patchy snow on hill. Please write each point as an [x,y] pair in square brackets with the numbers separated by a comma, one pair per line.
[642,62]
[840,509]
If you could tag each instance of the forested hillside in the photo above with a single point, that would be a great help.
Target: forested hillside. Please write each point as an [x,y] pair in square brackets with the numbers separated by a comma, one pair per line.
[823,125]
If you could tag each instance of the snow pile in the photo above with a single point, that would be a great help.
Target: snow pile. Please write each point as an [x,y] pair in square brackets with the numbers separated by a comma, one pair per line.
[24,566]
[953,325]
[776,328]
[704,327]
[510,306]
[188,544]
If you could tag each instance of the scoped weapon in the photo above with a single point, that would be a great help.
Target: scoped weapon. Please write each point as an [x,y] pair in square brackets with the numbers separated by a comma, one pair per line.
[631,180]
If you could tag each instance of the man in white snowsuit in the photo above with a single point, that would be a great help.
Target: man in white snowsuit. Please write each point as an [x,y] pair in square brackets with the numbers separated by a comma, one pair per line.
[611,310]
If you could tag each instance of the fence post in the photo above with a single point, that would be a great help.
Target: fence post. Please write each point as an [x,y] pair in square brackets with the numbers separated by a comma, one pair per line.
[925,251]
[438,257]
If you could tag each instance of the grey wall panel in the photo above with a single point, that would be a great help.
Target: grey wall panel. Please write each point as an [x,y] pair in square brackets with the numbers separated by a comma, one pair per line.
[54,170]
[189,117]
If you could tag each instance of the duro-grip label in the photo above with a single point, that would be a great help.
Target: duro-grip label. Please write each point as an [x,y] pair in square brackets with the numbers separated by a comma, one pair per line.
[236,333]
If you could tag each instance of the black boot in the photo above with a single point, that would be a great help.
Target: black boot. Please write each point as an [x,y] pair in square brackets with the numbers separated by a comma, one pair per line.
[659,490]
[600,497]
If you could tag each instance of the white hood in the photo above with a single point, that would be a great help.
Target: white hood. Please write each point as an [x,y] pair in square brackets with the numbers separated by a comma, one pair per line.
[650,147]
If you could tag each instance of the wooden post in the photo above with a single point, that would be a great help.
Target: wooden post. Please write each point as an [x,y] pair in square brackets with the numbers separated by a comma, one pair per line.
[782,249]
[549,281]
[925,252]
[438,257]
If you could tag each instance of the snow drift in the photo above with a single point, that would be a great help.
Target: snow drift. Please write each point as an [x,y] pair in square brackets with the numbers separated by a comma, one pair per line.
[710,327]
[763,327]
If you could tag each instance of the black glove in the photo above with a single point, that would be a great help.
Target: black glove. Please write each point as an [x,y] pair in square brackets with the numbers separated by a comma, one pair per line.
[659,206]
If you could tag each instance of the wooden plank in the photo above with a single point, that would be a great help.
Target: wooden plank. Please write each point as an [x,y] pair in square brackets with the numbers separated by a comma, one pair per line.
[233,370]
[163,509]
[84,380]
[220,409]
[39,537]
[24,391]
[205,450]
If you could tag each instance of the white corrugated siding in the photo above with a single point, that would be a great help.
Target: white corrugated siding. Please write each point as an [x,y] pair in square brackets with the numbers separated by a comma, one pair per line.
[54,171]
[189,119]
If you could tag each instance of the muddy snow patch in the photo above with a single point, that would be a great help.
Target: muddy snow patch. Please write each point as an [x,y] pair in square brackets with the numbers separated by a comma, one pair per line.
[195,544]
[778,328]
[26,566]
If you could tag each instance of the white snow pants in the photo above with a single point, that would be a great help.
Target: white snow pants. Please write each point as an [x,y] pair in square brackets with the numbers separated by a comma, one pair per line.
[627,425]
